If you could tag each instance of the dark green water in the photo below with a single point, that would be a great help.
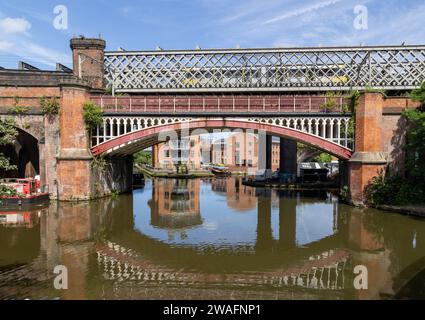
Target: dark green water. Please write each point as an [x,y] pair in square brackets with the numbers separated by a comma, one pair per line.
[210,239]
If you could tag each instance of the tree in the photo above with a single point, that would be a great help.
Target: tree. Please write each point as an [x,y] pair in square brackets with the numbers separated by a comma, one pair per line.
[415,145]
[323,157]
[8,134]
[143,158]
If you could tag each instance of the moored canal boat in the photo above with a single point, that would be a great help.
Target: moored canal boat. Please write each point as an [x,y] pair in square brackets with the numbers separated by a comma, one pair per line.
[220,170]
[28,191]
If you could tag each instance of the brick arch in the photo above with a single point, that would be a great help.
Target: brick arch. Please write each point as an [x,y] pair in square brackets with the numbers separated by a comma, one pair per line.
[151,134]
[32,125]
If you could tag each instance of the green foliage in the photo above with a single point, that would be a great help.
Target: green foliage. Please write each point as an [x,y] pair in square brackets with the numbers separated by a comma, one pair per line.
[114,193]
[345,108]
[415,144]
[18,110]
[49,106]
[8,131]
[108,90]
[419,94]
[9,192]
[143,158]
[8,134]
[99,163]
[323,157]
[5,163]
[93,115]
[344,193]
[330,103]
[392,189]
[354,96]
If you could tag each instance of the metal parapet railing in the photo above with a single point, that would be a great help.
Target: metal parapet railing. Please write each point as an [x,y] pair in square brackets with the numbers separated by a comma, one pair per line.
[220,104]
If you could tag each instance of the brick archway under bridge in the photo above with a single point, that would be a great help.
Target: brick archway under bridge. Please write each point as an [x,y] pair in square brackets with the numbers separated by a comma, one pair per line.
[132,142]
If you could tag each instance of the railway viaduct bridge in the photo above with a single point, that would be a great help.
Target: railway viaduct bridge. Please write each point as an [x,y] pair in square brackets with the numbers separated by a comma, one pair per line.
[284,92]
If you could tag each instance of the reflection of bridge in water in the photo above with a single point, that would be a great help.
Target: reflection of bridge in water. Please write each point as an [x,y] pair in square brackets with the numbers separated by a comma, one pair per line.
[141,258]
[323,272]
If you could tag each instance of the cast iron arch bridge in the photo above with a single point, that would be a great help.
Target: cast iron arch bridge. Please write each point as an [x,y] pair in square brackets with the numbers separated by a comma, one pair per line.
[134,123]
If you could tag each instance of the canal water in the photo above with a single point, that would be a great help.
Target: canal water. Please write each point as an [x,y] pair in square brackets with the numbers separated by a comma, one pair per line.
[210,239]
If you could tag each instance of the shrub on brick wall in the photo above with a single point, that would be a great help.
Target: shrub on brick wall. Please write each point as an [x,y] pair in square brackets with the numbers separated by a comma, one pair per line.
[419,94]
[49,106]
[93,115]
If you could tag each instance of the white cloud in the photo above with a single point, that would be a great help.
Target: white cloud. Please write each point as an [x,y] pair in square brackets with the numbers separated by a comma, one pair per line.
[14,25]
[44,55]
[6,46]
[302,11]
[15,43]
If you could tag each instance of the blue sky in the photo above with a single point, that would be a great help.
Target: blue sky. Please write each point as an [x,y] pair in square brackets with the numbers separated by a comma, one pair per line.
[27,31]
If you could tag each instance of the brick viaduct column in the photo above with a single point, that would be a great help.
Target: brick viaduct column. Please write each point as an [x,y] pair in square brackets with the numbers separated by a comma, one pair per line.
[74,157]
[368,158]
[75,177]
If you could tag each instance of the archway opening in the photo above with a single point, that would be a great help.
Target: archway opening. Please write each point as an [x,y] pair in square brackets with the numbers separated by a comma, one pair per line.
[24,154]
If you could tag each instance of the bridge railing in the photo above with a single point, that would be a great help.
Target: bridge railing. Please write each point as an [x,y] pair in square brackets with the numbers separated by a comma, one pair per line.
[224,104]
[268,69]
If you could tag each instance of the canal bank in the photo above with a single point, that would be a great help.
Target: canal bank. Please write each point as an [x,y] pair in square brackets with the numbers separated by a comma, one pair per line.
[174,175]
[292,186]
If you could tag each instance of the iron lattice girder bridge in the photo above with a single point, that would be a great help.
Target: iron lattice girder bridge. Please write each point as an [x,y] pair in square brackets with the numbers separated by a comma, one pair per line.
[303,69]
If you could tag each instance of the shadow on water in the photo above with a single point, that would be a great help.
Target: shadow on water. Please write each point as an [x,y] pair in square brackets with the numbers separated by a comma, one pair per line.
[207,239]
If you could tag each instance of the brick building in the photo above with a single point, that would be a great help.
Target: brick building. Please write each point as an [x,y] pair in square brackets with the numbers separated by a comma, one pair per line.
[238,151]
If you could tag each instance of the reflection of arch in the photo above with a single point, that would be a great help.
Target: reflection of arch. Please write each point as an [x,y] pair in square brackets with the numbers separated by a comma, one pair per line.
[141,139]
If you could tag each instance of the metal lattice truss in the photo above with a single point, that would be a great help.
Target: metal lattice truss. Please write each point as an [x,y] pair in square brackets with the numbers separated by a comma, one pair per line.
[393,67]
[334,129]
